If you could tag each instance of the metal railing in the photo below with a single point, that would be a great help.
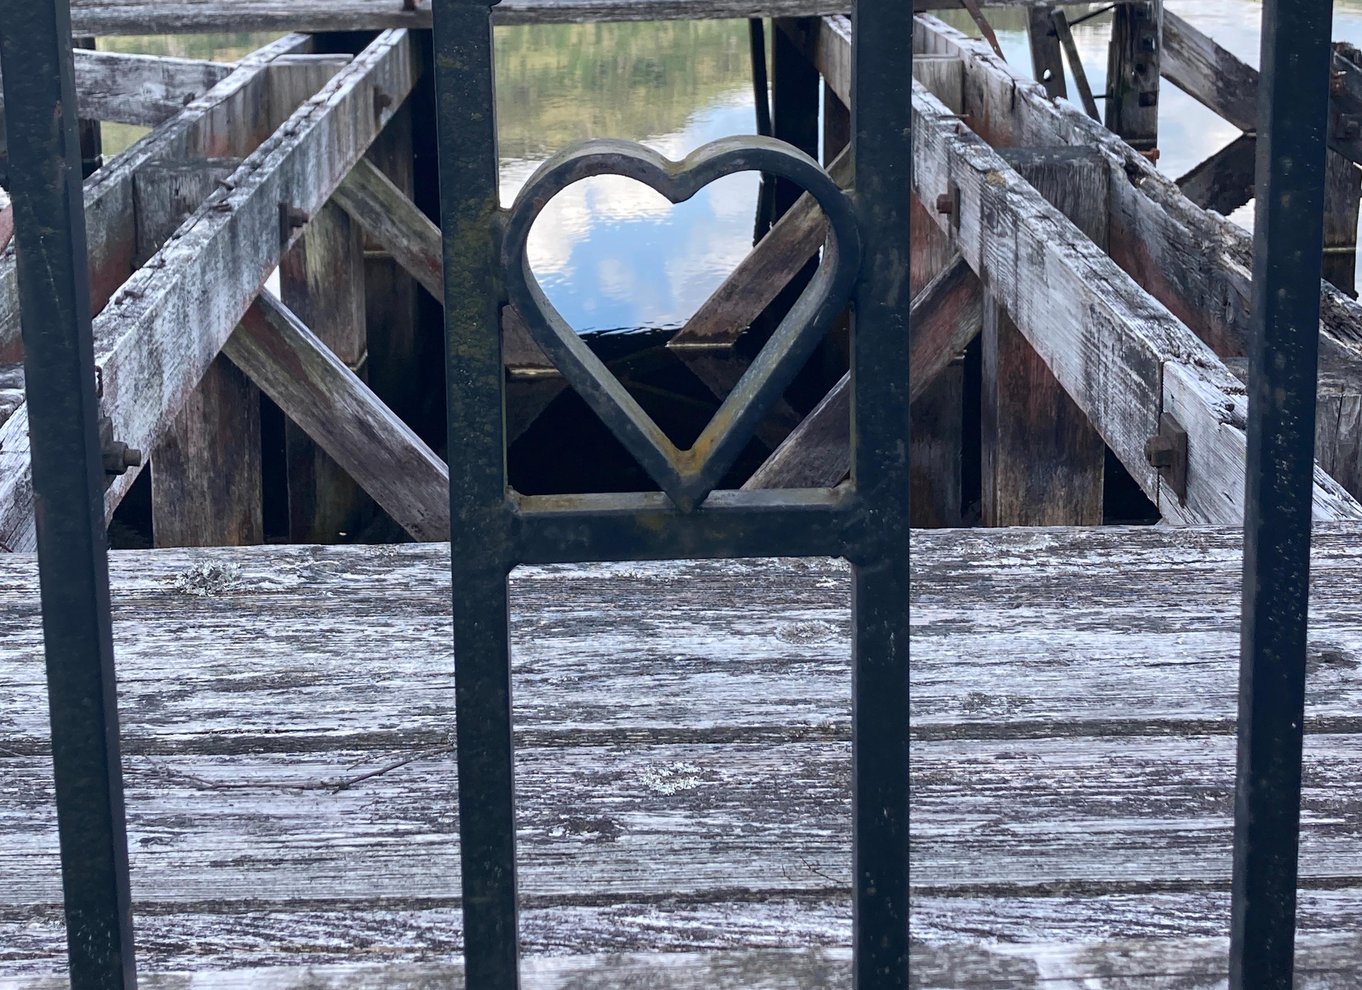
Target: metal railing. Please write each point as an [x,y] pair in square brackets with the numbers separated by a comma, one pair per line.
[865,520]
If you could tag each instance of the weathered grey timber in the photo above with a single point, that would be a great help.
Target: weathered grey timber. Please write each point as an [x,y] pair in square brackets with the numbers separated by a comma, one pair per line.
[208,274]
[1132,109]
[290,806]
[1047,55]
[946,316]
[1121,356]
[198,16]
[140,89]
[1195,263]
[333,406]
[1322,963]
[1042,462]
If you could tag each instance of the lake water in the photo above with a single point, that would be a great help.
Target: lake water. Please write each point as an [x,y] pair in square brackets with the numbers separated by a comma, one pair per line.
[611,253]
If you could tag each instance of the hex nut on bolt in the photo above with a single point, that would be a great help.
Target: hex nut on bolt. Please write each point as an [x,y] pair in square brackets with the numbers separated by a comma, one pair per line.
[945,203]
[1159,451]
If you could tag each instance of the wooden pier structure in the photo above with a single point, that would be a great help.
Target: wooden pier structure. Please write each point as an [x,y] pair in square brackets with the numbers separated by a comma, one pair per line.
[684,729]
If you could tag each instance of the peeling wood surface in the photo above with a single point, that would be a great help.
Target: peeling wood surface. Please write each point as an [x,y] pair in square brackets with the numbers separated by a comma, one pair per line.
[287,718]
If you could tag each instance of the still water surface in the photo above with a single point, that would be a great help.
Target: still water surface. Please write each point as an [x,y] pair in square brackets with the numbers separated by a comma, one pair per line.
[611,253]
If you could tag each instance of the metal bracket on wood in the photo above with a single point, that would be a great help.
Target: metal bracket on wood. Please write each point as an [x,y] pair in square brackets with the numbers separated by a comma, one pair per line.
[1167,452]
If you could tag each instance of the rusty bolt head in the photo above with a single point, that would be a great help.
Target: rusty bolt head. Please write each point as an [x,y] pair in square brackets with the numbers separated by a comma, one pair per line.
[1152,154]
[945,203]
[119,457]
[1159,451]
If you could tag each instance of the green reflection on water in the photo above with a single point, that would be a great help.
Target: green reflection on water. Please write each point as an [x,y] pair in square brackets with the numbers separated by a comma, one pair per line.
[556,83]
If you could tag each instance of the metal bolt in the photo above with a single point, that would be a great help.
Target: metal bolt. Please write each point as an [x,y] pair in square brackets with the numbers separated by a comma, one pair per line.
[119,457]
[1152,154]
[945,203]
[1149,99]
[1159,451]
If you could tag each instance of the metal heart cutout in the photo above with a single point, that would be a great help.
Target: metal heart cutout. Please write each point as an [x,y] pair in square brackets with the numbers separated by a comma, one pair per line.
[687,476]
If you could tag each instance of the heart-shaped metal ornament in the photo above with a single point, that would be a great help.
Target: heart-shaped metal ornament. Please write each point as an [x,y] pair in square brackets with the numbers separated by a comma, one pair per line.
[687,476]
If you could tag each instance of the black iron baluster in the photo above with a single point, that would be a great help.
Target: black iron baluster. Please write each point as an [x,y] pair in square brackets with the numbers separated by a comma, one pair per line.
[479,510]
[68,483]
[495,529]
[1288,237]
[883,153]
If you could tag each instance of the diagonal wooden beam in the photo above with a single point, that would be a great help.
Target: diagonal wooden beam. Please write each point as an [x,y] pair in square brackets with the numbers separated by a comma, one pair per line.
[946,315]
[326,399]
[208,127]
[154,341]
[1122,357]
[1224,181]
[413,240]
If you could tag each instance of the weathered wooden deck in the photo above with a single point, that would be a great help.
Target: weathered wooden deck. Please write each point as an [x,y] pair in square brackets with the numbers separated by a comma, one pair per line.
[684,765]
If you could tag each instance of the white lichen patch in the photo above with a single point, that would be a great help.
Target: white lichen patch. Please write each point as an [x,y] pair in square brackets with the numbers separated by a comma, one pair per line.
[207,579]
[671,778]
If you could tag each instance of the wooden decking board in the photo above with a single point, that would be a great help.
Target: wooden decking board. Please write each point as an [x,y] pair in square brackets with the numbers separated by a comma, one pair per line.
[684,750]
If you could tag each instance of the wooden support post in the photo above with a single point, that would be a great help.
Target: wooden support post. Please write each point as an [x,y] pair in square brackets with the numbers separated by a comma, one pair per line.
[1342,197]
[1133,73]
[91,139]
[1047,58]
[836,125]
[795,85]
[390,292]
[1042,461]
[321,281]
[205,481]
[1080,74]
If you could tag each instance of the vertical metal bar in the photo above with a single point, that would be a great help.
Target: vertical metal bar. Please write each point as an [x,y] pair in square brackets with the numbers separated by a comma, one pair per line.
[479,511]
[1292,115]
[882,150]
[68,483]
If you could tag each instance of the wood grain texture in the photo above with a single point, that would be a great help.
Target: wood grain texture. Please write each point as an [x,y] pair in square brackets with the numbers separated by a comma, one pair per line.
[206,470]
[1113,347]
[1133,57]
[1322,963]
[1202,68]
[337,410]
[207,275]
[1196,263]
[1042,462]
[140,89]
[290,805]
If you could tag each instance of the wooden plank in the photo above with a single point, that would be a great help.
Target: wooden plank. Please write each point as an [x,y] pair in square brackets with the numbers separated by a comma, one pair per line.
[1042,461]
[325,398]
[1112,346]
[1132,109]
[321,280]
[1338,420]
[146,90]
[1224,181]
[1198,65]
[1058,765]
[209,273]
[1155,230]
[207,127]
[1047,57]
[1066,38]
[1322,963]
